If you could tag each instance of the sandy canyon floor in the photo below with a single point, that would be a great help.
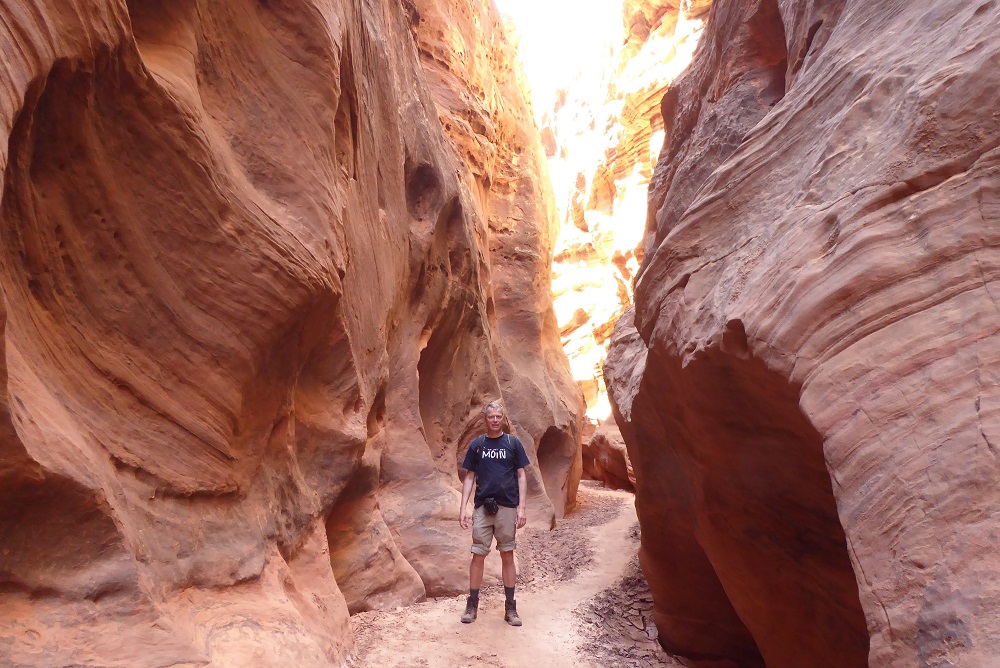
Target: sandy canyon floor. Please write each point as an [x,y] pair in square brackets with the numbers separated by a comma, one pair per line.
[580,595]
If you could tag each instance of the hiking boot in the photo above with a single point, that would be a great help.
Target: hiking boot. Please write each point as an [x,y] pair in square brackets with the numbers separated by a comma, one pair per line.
[510,613]
[471,610]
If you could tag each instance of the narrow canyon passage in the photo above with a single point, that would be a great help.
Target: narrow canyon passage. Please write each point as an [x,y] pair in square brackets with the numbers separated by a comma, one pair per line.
[264,262]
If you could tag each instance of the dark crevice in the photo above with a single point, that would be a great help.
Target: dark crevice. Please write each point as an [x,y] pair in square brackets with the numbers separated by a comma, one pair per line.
[800,57]
[810,36]
[424,193]
[376,414]
[346,118]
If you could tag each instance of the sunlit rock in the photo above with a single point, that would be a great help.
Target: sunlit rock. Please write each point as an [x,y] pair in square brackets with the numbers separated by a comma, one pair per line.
[597,105]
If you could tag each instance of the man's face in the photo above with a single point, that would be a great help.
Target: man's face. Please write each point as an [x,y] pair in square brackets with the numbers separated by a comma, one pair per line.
[494,419]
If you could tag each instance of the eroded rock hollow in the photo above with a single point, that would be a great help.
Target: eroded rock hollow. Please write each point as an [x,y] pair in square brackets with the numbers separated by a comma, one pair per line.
[808,384]
[255,292]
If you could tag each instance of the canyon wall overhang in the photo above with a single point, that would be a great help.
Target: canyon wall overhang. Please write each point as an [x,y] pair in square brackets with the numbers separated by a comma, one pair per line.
[252,307]
[808,388]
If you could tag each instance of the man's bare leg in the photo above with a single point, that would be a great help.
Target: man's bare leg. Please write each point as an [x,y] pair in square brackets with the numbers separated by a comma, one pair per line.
[476,571]
[508,569]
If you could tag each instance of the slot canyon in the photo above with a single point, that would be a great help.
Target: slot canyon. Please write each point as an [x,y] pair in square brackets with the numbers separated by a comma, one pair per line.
[728,266]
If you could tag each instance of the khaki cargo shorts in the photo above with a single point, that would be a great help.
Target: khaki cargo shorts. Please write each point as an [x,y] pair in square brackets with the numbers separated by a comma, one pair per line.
[503,525]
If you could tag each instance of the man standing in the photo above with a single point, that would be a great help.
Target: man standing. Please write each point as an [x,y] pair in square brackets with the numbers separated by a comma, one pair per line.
[495,464]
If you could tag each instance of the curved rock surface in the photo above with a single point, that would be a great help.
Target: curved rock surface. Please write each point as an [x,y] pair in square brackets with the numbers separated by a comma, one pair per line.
[808,389]
[605,458]
[472,75]
[252,305]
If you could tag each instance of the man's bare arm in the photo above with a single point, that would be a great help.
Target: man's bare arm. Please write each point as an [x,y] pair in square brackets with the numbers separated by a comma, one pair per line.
[470,481]
[522,504]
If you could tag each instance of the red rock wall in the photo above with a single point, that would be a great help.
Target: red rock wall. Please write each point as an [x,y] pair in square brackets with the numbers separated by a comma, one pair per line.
[807,391]
[472,75]
[251,309]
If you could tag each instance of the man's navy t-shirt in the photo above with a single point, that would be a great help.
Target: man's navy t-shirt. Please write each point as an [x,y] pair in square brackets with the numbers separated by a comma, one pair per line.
[495,462]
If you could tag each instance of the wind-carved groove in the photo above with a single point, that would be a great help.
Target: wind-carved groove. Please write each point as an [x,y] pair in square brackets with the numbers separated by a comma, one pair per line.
[165,490]
[160,23]
[931,179]
[346,119]
[804,53]
[922,182]
[979,417]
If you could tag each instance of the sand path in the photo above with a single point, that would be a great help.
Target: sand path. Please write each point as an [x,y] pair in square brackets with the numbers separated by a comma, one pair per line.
[574,578]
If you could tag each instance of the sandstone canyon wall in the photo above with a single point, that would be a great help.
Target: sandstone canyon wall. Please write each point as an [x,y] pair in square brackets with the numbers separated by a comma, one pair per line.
[808,387]
[252,304]
[471,71]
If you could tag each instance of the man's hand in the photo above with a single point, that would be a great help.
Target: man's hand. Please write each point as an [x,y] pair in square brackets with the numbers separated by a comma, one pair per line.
[463,517]
[522,495]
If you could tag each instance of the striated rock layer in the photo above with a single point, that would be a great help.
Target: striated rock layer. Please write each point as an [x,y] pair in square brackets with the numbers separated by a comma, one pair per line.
[252,305]
[808,388]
